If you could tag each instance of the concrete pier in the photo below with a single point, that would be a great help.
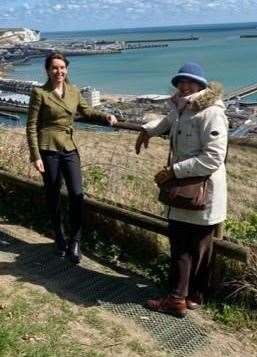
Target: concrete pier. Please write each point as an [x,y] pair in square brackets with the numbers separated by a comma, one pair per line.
[241,92]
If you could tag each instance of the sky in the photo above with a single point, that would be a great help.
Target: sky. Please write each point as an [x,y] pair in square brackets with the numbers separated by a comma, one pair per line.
[61,15]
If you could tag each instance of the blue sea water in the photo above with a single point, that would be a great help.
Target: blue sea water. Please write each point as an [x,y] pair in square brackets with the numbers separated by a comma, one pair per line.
[225,56]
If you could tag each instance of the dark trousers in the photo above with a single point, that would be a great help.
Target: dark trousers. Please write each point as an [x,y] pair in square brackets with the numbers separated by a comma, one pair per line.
[63,165]
[191,252]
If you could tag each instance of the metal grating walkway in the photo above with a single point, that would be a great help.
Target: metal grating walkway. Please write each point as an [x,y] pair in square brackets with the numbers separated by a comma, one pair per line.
[91,283]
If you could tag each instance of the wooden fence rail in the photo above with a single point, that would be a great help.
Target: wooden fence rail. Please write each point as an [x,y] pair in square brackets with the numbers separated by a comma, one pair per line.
[136,218]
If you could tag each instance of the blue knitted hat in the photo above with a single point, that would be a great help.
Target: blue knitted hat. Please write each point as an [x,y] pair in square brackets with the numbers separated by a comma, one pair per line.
[190,71]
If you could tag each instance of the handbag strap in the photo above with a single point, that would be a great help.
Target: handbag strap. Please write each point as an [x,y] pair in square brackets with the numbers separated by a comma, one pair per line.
[179,116]
[226,157]
[169,156]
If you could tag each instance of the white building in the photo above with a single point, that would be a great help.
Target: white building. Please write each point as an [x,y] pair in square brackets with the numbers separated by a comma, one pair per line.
[92,96]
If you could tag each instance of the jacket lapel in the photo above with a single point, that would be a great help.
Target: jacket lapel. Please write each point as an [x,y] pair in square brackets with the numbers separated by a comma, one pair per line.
[68,99]
[62,102]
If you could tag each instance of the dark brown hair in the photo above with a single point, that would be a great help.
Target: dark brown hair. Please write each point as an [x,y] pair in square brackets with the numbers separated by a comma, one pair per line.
[55,55]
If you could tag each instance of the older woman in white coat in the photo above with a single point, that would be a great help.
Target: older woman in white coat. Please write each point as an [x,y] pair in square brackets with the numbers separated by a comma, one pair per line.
[198,136]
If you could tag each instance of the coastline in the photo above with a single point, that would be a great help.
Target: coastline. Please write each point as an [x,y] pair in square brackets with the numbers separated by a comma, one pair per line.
[3,72]
[140,72]
[124,105]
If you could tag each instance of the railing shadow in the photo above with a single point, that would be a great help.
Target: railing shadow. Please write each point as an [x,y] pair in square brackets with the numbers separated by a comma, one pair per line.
[88,283]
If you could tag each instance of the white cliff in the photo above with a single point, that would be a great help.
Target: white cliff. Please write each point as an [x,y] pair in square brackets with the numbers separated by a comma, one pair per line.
[12,36]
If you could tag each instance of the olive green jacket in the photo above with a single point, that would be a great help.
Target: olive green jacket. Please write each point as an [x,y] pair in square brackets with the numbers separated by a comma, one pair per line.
[50,118]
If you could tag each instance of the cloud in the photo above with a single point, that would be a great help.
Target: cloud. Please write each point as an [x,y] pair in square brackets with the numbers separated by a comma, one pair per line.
[58,7]
[26,6]
[74,6]
[82,14]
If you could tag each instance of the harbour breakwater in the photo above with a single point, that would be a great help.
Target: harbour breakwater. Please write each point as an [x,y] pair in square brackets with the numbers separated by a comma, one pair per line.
[21,53]
[190,38]
[82,52]
[137,46]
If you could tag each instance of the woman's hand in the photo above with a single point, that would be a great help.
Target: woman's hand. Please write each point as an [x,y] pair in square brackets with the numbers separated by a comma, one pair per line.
[143,138]
[39,166]
[112,120]
[164,175]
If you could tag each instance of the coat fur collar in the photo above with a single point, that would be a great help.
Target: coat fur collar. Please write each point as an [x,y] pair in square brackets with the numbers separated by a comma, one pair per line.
[207,97]
[200,100]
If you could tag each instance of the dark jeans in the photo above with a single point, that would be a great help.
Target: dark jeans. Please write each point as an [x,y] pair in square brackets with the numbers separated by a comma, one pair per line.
[191,252]
[59,165]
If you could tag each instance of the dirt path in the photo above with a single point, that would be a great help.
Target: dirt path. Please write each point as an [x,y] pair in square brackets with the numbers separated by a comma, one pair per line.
[26,259]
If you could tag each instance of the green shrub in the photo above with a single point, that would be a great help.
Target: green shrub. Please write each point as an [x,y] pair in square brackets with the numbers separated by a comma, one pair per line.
[245,230]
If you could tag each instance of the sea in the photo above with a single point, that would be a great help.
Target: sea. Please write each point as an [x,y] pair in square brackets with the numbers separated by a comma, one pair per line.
[224,55]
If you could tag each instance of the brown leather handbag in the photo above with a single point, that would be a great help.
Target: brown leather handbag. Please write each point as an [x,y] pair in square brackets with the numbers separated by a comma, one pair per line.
[186,193]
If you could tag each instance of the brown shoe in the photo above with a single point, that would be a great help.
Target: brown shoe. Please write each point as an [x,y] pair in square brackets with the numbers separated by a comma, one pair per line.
[194,302]
[168,305]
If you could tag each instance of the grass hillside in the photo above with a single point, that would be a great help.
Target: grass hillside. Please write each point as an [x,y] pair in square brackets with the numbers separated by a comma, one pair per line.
[112,171]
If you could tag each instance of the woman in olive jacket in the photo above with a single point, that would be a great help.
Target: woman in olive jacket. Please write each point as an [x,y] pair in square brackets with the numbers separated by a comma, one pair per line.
[53,149]
[198,130]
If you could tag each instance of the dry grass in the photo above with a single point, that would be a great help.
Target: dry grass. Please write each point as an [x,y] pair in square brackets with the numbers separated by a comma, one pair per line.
[245,289]
[35,322]
[242,183]
[112,171]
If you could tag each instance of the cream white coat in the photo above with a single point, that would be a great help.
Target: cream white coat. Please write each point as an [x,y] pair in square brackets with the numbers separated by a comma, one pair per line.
[199,146]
